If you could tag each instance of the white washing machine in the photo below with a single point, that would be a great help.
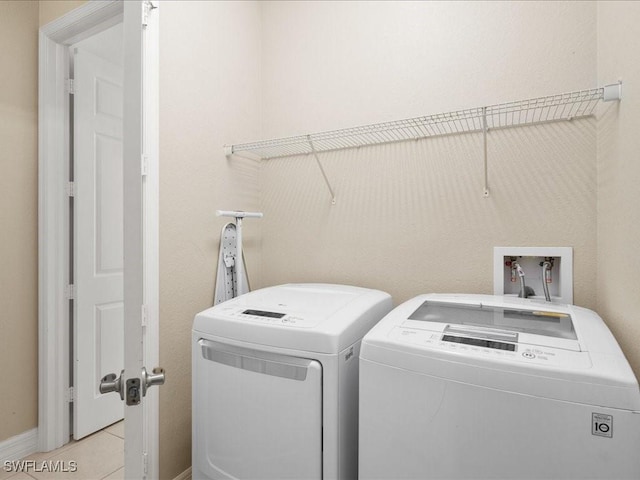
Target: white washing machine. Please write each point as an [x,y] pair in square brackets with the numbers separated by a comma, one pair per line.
[275,382]
[474,386]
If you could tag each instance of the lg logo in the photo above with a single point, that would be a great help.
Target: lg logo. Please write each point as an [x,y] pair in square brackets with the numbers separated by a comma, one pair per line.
[348,355]
[602,425]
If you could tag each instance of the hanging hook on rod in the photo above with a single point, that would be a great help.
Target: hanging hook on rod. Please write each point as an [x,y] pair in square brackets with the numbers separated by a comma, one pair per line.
[324,175]
[486,168]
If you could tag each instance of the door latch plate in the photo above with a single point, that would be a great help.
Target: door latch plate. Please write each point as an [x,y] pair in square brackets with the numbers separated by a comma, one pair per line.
[133,391]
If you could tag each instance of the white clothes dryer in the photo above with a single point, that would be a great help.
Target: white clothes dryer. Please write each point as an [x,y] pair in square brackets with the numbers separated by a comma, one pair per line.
[275,382]
[479,386]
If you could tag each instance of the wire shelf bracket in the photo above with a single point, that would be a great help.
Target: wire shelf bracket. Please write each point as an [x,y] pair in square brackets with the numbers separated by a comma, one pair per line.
[552,108]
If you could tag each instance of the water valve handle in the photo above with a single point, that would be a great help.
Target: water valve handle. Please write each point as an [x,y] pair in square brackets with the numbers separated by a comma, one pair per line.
[514,274]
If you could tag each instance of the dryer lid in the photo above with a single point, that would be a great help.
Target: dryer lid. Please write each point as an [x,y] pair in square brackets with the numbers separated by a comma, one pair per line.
[320,318]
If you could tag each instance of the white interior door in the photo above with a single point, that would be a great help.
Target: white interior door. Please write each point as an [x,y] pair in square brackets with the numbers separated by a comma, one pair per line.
[98,239]
[140,19]
[140,147]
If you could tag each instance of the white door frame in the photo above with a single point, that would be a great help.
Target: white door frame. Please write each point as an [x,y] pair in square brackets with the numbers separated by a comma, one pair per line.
[54,222]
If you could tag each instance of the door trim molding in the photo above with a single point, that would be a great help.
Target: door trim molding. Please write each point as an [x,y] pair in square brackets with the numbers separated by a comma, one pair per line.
[53,222]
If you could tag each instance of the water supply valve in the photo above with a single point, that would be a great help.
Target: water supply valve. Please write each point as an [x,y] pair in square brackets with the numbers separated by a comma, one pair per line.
[511,263]
[548,278]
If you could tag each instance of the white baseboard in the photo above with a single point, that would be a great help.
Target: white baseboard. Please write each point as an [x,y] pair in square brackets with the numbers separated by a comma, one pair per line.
[20,446]
[186,475]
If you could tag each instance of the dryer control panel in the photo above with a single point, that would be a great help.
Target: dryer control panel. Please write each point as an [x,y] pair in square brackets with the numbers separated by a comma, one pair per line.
[272,318]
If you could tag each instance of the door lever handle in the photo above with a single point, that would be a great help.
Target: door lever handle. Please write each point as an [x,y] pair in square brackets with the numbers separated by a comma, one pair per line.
[110,383]
[149,380]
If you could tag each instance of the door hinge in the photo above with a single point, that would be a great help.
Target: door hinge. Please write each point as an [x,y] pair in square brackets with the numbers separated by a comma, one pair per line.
[145,463]
[143,315]
[70,292]
[71,86]
[146,10]
[144,164]
[71,394]
[71,189]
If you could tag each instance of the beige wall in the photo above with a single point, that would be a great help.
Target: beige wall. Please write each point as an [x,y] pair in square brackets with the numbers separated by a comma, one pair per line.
[52,9]
[619,177]
[410,218]
[19,23]
[209,84]
[19,217]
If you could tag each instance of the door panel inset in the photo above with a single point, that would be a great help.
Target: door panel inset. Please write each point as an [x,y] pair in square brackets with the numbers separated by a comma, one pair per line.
[108,197]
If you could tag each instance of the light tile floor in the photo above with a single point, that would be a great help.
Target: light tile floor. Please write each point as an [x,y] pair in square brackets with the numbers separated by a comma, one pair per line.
[97,457]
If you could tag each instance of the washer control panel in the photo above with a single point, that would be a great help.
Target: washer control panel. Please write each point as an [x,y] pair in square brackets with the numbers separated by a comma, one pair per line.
[480,342]
[262,313]
[489,349]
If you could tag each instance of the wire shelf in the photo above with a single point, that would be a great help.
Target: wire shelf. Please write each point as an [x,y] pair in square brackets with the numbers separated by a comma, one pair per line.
[564,106]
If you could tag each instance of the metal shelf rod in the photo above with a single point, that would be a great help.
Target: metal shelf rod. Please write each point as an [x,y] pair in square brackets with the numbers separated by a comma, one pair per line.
[324,175]
[551,108]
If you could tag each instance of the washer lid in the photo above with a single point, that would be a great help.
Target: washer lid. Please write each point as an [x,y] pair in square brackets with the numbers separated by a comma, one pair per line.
[526,320]
[531,324]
